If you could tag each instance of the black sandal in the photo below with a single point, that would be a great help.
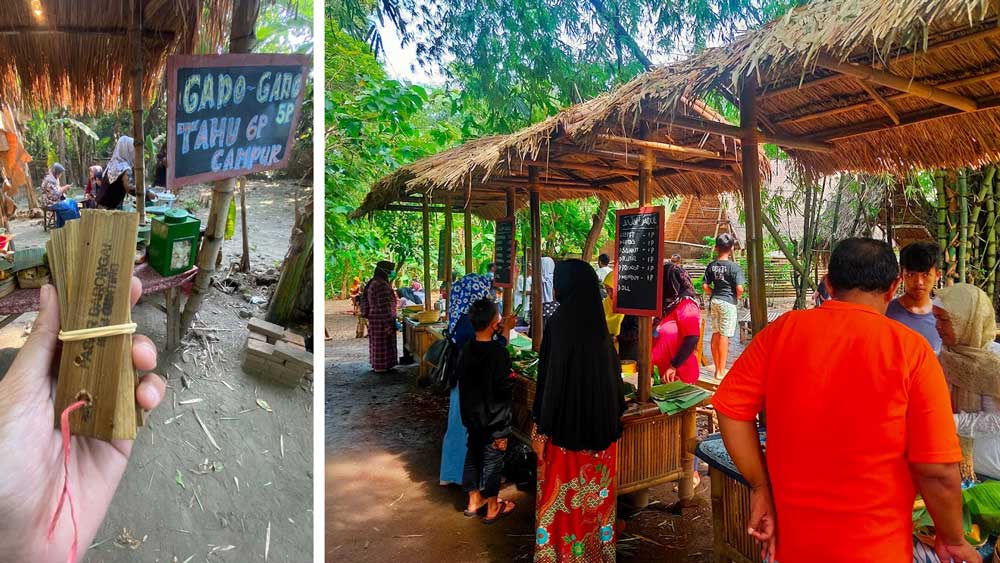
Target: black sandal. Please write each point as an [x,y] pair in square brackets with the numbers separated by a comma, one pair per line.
[481,511]
[501,514]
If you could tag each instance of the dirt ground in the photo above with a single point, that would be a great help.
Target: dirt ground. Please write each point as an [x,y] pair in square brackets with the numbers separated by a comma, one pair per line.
[182,499]
[383,500]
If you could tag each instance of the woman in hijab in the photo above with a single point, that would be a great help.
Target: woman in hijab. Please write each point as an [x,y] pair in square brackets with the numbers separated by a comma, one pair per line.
[54,196]
[379,307]
[464,293]
[577,414]
[679,328]
[967,325]
[93,184]
[119,177]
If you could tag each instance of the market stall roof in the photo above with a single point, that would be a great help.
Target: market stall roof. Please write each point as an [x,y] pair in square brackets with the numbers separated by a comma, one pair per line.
[867,85]
[600,160]
[78,55]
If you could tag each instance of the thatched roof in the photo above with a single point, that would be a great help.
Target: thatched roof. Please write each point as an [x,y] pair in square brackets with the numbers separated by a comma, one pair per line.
[77,54]
[930,101]
[602,161]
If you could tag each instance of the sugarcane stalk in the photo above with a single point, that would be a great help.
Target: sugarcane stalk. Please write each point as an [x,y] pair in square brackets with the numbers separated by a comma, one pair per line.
[963,225]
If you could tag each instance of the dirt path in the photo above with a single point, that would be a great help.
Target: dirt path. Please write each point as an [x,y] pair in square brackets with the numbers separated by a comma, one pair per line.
[182,499]
[383,500]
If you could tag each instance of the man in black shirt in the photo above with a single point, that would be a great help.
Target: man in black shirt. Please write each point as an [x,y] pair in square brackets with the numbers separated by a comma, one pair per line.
[724,283]
[484,388]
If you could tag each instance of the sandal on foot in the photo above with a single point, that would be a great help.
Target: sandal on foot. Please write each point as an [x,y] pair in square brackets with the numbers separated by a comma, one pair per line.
[501,514]
[481,511]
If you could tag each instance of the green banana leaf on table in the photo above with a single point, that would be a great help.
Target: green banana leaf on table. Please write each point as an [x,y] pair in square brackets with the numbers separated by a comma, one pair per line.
[677,396]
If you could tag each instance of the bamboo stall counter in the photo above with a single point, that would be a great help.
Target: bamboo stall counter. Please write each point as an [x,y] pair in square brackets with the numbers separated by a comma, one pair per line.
[92,261]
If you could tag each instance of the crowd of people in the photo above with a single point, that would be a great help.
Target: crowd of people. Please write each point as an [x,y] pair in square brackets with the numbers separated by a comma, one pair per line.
[902,390]
[106,186]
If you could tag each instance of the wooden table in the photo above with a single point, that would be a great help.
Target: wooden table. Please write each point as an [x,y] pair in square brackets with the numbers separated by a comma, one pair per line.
[730,505]
[417,339]
[655,448]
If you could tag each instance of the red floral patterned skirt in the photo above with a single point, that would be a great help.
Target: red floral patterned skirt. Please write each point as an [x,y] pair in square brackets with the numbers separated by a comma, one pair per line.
[575,514]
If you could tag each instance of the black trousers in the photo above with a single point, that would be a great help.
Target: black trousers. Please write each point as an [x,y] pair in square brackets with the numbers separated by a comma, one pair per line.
[483,464]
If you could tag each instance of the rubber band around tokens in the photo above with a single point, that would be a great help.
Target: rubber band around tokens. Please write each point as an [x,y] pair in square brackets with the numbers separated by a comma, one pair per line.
[96,332]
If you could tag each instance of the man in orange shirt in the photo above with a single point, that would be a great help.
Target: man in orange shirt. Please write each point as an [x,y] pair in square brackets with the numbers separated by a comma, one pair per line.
[858,421]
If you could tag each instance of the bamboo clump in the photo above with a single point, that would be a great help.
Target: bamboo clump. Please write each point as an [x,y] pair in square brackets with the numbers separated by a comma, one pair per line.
[91,262]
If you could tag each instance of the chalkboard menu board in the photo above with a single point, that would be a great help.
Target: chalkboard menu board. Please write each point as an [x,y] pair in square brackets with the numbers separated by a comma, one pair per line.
[503,254]
[230,115]
[639,261]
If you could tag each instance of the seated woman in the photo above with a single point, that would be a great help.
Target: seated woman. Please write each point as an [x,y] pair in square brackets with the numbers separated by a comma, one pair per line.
[966,323]
[93,184]
[119,179]
[54,196]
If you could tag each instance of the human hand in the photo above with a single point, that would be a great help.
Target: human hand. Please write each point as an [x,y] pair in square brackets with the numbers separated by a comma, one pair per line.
[763,524]
[507,324]
[958,553]
[500,444]
[31,447]
[670,374]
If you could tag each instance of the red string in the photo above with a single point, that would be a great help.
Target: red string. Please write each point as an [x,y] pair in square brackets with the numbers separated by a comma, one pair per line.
[64,427]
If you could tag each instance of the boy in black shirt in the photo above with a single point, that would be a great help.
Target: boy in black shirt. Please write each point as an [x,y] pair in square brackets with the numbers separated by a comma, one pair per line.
[484,386]
[723,284]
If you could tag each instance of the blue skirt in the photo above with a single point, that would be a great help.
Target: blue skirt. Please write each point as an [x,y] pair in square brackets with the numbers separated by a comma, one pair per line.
[455,443]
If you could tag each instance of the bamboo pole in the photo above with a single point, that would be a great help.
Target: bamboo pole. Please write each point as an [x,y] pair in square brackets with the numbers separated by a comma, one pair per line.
[138,133]
[751,204]
[645,363]
[991,234]
[426,220]
[996,236]
[536,260]
[706,126]
[245,260]
[469,266]
[963,225]
[657,146]
[942,219]
[215,229]
[448,226]
[985,190]
[880,101]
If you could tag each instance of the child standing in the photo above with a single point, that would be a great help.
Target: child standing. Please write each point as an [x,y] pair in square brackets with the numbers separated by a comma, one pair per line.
[485,397]
[724,283]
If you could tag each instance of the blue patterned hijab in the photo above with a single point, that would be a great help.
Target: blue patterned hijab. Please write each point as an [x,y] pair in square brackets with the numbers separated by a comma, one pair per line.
[464,293]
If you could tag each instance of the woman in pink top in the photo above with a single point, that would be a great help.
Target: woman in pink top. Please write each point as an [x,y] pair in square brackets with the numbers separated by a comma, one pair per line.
[678,329]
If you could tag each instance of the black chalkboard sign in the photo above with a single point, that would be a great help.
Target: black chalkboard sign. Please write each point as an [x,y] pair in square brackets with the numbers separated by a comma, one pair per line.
[231,115]
[503,254]
[639,261]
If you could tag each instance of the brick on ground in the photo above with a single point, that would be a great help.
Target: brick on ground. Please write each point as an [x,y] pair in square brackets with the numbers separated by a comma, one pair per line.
[275,371]
[269,330]
[292,354]
[294,338]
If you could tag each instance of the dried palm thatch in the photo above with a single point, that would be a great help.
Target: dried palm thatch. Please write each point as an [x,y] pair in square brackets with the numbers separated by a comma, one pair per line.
[940,110]
[602,162]
[78,55]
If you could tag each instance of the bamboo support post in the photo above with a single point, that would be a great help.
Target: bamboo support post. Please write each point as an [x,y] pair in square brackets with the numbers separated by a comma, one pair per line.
[644,361]
[996,236]
[448,226]
[991,233]
[245,260]
[942,219]
[426,220]
[978,205]
[963,225]
[30,188]
[508,292]
[536,259]
[215,229]
[138,134]
[469,266]
[689,440]
[751,204]
[657,146]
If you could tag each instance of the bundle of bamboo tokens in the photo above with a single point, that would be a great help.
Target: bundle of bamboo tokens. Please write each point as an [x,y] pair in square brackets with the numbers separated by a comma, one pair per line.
[91,262]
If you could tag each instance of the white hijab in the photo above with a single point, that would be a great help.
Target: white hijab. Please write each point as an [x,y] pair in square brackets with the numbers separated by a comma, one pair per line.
[123,158]
[548,272]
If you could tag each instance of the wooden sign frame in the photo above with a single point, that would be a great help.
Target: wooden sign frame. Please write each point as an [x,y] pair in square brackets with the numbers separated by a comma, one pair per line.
[178,62]
[661,214]
[513,252]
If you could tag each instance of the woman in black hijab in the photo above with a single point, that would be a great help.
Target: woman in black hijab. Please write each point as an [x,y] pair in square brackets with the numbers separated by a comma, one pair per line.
[577,413]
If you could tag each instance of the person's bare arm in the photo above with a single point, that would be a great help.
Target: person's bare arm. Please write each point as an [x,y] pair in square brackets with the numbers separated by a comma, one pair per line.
[739,292]
[940,485]
[706,288]
[743,444]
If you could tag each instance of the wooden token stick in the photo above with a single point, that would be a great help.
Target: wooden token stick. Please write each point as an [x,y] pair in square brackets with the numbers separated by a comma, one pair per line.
[92,266]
